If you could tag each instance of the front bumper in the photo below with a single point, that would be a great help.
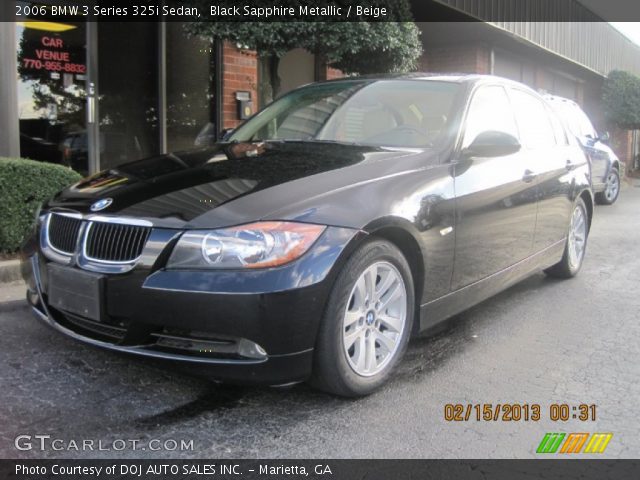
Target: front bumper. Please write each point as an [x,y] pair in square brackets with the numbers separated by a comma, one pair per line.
[255,327]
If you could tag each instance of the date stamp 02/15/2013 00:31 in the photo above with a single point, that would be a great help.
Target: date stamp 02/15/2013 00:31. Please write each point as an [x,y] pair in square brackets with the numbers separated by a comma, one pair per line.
[516,412]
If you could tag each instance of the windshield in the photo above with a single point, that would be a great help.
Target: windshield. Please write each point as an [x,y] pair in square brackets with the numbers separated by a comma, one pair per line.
[397,113]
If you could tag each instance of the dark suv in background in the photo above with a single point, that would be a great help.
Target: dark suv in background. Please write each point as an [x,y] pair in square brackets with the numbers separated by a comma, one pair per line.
[605,165]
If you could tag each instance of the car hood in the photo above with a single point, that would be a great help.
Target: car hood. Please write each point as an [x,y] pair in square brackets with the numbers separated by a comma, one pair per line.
[233,183]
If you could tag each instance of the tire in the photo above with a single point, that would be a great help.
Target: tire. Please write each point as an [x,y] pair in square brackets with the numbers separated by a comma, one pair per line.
[611,190]
[354,370]
[571,261]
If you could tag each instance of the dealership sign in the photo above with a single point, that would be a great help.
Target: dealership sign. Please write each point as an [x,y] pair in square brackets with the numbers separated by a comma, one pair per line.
[51,56]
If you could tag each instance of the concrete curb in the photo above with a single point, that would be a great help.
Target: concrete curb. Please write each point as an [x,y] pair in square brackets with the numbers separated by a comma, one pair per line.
[10,271]
[13,305]
[12,296]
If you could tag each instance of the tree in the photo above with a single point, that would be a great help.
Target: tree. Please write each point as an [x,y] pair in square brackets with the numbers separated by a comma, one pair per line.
[382,47]
[356,47]
[621,97]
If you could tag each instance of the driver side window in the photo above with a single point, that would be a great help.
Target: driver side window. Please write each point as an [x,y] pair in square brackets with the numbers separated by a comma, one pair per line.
[489,110]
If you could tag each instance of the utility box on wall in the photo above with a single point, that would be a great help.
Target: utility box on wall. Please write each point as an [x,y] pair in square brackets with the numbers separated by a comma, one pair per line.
[245,105]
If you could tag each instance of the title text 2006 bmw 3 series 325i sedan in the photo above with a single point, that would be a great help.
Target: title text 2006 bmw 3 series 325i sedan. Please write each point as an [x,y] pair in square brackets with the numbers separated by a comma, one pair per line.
[319,237]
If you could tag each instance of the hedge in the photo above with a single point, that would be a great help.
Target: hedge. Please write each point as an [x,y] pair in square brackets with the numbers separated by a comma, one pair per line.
[24,185]
[621,97]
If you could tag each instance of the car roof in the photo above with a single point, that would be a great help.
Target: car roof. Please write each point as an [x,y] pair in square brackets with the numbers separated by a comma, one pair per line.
[461,78]
[556,99]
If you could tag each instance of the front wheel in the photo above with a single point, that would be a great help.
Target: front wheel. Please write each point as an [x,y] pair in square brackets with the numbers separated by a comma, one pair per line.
[611,189]
[575,245]
[367,325]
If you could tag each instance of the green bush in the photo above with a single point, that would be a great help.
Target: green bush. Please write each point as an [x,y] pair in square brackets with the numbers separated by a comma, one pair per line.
[621,96]
[24,185]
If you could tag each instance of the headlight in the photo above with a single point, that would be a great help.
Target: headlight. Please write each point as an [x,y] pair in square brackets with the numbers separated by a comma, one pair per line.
[256,245]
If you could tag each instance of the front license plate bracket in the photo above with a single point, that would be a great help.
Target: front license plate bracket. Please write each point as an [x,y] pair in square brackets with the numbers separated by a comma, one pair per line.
[76,291]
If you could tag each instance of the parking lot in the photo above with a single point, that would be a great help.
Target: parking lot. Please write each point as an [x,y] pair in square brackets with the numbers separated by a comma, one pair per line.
[543,341]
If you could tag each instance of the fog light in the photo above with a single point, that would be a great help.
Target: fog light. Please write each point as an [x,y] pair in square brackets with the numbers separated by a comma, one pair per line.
[250,350]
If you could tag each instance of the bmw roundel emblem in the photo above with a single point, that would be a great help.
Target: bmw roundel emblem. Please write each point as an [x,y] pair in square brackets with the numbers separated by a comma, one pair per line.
[101,204]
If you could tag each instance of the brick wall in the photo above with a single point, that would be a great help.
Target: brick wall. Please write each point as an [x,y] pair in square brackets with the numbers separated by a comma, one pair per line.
[332,73]
[240,69]
[325,72]
[622,143]
[457,59]
[240,73]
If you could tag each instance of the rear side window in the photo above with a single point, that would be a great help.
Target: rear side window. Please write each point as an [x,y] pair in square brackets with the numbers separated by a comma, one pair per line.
[576,120]
[536,130]
[558,129]
[489,111]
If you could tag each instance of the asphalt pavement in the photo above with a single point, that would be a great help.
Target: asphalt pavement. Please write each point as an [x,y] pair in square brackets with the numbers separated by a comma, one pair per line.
[541,342]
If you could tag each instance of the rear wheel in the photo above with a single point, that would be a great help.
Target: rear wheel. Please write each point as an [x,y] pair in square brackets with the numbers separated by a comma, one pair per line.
[367,325]
[611,189]
[575,246]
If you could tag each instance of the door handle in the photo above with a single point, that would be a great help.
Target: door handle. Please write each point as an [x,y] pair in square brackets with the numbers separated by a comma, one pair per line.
[570,165]
[529,176]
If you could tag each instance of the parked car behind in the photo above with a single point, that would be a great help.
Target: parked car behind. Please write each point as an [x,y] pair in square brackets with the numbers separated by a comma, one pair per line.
[605,165]
[39,149]
[75,151]
[332,226]
[115,148]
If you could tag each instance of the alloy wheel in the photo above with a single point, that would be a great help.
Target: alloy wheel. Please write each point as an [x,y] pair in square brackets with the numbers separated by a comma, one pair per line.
[612,187]
[577,237]
[374,319]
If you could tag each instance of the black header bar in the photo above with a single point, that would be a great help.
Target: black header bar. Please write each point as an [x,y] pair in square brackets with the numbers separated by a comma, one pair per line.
[322,10]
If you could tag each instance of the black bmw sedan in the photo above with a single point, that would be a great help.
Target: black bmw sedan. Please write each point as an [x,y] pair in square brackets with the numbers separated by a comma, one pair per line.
[321,235]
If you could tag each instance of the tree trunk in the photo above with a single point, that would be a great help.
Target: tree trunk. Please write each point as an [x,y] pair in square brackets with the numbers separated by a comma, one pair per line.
[269,79]
[274,62]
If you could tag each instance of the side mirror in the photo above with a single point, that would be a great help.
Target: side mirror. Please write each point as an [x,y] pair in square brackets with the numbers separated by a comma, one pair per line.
[225,134]
[492,144]
[604,137]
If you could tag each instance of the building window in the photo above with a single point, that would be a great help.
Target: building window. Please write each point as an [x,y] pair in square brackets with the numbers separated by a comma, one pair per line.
[51,63]
[190,96]
[155,88]
[128,92]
